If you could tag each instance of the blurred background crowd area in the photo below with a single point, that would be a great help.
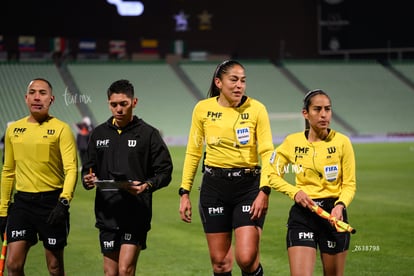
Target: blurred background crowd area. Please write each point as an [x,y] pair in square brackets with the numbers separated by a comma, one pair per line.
[205,29]
[359,52]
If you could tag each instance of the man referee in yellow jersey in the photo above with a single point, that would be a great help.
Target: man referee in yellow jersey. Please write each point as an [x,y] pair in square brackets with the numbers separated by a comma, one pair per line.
[41,166]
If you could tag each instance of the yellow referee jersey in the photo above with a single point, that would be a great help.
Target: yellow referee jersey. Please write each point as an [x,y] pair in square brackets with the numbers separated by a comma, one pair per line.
[233,137]
[322,169]
[38,158]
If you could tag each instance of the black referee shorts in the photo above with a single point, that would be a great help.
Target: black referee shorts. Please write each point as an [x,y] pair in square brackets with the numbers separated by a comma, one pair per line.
[225,202]
[305,228]
[111,241]
[27,220]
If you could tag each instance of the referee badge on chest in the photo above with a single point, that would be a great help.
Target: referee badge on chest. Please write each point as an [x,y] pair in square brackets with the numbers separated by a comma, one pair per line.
[243,135]
[331,172]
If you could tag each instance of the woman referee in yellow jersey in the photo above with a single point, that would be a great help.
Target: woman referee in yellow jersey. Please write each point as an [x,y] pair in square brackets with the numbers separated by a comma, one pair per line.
[324,163]
[235,131]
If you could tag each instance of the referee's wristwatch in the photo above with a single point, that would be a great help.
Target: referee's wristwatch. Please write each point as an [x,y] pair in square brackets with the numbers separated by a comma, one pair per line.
[341,203]
[266,190]
[64,201]
[149,185]
[183,191]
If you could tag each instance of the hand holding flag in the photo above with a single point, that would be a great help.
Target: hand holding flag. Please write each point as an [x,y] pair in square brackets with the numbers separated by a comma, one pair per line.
[340,225]
[3,255]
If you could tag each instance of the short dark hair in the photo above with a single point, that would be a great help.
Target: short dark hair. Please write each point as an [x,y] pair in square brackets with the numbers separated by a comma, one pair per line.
[45,80]
[121,87]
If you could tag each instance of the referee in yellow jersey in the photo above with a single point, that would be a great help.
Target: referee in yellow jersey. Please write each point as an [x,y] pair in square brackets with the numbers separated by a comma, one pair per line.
[323,162]
[41,166]
[235,130]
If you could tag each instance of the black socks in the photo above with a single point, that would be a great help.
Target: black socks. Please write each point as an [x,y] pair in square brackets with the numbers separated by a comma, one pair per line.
[257,272]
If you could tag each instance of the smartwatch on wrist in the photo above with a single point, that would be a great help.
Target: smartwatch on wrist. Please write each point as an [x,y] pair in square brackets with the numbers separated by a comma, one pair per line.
[64,201]
[183,191]
[266,190]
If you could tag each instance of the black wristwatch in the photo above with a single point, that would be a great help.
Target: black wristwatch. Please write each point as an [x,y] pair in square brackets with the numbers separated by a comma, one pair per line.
[149,185]
[64,201]
[183,191]
[341,203]
[266,190]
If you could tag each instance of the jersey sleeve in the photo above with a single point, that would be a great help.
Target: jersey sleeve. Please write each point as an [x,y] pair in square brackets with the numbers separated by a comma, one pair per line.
[194,150]
[161,162]
[348,188]
[265,144]
[279,161]
[7,176]
[70,162]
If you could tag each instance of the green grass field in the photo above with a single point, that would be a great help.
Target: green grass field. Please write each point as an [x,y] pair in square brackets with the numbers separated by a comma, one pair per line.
[382,212]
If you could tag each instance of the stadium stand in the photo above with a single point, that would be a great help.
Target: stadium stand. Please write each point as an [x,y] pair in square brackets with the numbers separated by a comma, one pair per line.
[368,97]
[163,100]
[407,69]
[365,94]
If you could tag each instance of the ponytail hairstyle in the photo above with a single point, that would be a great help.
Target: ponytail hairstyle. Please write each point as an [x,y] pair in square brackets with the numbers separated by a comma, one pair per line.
[307,100]
[221,69]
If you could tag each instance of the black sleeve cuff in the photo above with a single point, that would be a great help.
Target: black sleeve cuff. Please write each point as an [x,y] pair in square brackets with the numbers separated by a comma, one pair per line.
[183,191]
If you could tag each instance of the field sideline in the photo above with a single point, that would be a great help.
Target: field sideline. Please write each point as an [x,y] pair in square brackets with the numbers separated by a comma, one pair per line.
[382,212]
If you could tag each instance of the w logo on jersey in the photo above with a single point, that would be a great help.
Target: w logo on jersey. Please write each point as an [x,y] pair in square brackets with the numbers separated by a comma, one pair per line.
[244,116]
[51,131]
[331,150]
[132,143]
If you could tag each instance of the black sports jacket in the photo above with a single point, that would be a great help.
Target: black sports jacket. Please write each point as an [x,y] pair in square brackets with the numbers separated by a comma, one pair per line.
[138,152]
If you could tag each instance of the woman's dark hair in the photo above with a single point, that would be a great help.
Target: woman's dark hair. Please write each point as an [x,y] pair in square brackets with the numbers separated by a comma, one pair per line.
[308,99]
[121,87]
[221,69]
[310,95]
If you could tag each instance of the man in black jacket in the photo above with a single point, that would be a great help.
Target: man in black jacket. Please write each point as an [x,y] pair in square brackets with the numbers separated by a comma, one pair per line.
[127,161]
